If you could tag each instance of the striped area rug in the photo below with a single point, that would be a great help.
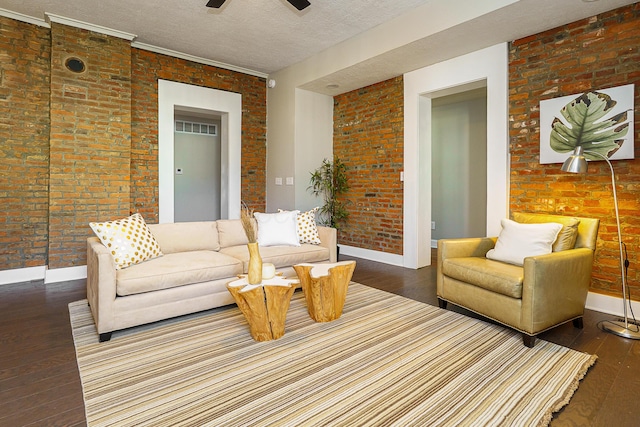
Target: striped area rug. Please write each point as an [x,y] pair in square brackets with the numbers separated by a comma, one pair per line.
[388,361]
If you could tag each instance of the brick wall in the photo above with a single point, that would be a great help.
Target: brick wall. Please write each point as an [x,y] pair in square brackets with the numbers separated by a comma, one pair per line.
[368,137]
[90,139]
[24,143]
[148,67]
[83,147]
[595,53]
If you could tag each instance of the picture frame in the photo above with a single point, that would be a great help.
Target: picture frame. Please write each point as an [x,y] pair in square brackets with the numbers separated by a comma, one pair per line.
[605,118]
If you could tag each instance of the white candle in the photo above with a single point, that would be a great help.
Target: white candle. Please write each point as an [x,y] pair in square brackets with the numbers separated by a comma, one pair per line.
[268,271]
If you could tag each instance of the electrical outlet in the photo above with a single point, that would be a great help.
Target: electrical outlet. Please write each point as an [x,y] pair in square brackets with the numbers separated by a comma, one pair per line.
[278,181]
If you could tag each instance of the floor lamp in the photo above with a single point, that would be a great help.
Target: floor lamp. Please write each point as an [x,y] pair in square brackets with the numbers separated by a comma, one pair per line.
[576,163]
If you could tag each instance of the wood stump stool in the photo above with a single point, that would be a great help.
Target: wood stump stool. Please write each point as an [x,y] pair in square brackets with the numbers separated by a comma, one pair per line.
[264,306]
[325,288]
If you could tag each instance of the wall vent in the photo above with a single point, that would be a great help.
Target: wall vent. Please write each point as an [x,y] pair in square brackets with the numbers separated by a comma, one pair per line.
[192,127]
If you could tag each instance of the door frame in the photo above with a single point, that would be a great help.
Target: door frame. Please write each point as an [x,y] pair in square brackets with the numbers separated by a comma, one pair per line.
[228,105]
[490,64]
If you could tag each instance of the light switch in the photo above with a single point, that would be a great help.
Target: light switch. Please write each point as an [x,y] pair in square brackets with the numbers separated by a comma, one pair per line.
[278,181]
[178,171]
[289,180]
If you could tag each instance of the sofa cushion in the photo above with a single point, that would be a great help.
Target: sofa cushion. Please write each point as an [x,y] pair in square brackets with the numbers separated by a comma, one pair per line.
[276,229]
[129,240]
[306,226]
[177,269]
[280,256]
[231,233]
[495,276]
[186,236]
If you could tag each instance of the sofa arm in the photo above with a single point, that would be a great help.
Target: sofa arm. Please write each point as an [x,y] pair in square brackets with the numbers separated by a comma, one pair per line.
[101,284]
[555,288]
[329,239]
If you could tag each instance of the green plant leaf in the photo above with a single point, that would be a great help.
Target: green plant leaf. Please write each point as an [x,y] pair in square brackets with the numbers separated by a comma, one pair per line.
[587,128]
[330,181]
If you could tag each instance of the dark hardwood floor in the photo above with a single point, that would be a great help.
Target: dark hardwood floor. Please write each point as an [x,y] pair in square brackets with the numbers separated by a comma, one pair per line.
[40,385]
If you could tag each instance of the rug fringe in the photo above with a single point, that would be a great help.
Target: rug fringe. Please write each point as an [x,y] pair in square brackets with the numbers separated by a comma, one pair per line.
[568,394]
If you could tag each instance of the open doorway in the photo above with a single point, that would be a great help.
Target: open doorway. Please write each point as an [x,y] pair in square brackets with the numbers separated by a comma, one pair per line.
[197,151]
[459,163]
[489,66]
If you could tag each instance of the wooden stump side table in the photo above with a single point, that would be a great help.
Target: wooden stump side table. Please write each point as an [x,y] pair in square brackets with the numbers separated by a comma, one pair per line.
[264,306]
[325,288]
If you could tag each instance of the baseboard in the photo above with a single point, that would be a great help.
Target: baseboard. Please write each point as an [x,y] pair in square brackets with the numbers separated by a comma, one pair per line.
[434,243]
[64,274]
[610,305]
[18,275]
[383,257]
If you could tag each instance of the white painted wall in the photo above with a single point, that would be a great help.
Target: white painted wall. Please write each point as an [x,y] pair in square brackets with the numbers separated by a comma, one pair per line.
[287,138]
[281,114]
[459,152]
[296,143]
[490,64]
[313,142]
[228,105]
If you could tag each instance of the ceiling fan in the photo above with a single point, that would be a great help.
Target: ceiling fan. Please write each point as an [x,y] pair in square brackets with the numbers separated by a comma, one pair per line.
[298,4]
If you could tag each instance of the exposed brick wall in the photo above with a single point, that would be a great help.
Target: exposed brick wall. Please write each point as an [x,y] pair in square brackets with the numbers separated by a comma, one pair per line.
[148,67]
[67,151]
[591,54]
[90,139]
[24,143]
[368,137]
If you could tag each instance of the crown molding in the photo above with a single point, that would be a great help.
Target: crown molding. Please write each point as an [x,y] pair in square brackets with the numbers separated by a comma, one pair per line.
[24,18]
[127,36]
[90,27]
[198,59]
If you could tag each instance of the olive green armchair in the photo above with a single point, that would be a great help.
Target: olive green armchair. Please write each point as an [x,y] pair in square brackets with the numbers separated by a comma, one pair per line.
[545,291]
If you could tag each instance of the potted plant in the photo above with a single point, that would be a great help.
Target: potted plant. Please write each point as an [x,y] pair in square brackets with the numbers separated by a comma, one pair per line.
[330,181]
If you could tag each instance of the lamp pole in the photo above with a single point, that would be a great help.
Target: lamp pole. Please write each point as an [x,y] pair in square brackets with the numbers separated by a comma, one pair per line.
[576,163]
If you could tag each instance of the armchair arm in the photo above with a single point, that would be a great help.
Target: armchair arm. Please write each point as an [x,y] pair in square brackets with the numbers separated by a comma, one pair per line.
[101,284]
[461,248]
[329,239]
[555,288]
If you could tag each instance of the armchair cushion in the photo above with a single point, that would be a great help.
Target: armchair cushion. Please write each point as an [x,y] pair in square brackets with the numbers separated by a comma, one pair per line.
[495,276]
[518,241]
[568,235]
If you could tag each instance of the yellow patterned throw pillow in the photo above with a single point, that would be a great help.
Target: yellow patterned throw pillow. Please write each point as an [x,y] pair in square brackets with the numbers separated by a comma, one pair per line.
[129,240]
[306,227]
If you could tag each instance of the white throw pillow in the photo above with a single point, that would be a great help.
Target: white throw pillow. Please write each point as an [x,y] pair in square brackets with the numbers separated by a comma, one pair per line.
[307,227]
[518,241]
[129,240]
[277,228]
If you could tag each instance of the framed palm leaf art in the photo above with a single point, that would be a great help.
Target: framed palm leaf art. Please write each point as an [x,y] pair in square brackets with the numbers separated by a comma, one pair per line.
[599,120]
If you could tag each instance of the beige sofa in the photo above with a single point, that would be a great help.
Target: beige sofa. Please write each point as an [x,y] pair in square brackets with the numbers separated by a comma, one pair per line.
[199,259]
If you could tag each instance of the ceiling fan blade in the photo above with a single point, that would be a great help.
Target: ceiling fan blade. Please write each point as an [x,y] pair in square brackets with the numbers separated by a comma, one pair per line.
[299,4]
[215,3]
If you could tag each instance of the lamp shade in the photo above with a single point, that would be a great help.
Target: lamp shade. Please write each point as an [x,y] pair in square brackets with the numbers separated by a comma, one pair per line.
[575,163]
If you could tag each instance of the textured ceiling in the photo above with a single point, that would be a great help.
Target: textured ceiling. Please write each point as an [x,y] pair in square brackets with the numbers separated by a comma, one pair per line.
[260,35]
[268,35]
